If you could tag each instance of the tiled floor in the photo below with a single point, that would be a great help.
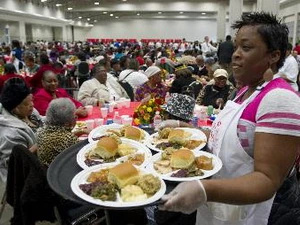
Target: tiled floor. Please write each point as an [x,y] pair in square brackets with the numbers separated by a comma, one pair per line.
[8,210]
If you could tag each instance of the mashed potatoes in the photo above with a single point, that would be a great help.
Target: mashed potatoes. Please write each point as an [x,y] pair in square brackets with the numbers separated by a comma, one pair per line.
[132,193]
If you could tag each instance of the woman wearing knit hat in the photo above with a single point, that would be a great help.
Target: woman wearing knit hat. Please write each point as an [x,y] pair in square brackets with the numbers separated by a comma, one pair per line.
[15,103]
[153,87]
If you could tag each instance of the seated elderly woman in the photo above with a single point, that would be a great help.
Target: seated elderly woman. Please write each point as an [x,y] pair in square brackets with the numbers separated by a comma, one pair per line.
[56,135]
[50,91]
[216,94]
[183,80]
[15,104]
[153,87]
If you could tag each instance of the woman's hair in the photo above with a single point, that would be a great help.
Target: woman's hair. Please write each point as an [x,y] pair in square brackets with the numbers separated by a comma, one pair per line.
[81,56]
[44,59]
[9,68]
[15,44]
[60,112]
[274,34]
[185,73]
[133,64]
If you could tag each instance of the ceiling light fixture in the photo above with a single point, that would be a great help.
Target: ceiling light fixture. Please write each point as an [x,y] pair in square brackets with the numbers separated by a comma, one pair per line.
[70,8]
[124,0]
[159,12]
[43,0]
[203,13]
[111,14]
[88,19]
[97,3]
[104,12]
[95,21]
[58,4]
[138,14]
[79,17]
[180,12]
[117,17]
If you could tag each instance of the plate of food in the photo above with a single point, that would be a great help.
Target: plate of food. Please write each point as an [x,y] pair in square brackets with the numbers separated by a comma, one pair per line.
[177,138]
[118,185]
[113,149]
[184,165]
[126,131]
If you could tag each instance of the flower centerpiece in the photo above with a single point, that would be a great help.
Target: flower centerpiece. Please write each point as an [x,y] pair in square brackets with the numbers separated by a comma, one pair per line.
[145,112]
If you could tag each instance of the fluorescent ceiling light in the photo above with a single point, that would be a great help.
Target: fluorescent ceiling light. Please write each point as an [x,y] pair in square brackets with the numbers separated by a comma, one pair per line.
[96,3]
[138,14]
[104,12]
[203,13]
[43,0]
[117,17]
[159,12]
[95,21]
[58,4]
[79,17]
[111,14]
[70,8]
[180,12]
[124,0]
[88,19]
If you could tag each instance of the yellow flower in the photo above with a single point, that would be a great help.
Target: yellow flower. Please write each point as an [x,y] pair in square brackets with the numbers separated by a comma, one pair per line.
[144,106]
[150,101]
[137,121]
[146,117]
[149,109]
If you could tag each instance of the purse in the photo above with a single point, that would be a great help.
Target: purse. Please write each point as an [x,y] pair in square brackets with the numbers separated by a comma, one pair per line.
[127,87]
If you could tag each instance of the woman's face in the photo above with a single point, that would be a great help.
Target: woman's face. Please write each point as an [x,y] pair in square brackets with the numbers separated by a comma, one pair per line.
[50,82]
[220,81]
[102,75]
[25,108]
[251,57]
[156,79]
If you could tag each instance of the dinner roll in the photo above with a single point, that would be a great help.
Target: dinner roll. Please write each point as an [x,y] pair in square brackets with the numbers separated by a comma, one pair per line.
[107,147]
[182,159]
[204,162]
[133,133]
[177,136]
[123,174]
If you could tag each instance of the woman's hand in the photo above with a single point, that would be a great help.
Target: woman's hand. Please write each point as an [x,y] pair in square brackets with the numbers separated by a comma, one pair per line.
[168,123]
[220,102]
[81,112]
[186,197]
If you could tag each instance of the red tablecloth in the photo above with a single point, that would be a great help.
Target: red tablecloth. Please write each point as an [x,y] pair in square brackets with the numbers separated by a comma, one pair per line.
[123,111]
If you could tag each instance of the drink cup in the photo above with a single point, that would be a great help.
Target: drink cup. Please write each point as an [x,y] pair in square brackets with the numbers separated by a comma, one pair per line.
[123,118]
[89,124]
[127,103]
[127,121]
[104,112]
[89,109]
[111,107]
[99,122]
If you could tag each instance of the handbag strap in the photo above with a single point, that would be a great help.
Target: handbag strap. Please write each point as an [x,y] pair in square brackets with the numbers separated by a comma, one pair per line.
[127,75]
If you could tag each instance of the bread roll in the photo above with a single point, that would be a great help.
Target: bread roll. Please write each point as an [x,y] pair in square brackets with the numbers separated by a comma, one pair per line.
[107,147]
[182,159]
[204,162]
[123,174]
[133,133]
[177,136]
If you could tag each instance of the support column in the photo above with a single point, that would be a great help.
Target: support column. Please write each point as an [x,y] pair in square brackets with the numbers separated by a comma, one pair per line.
[221,21]
[271,6]
[296,15]
[235,13]
[22,32]
[64,33]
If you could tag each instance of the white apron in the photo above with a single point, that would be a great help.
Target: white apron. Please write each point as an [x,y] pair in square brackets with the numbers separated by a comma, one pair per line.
[224,142]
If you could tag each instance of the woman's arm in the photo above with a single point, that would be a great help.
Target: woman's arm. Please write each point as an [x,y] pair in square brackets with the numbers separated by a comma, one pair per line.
[274,156]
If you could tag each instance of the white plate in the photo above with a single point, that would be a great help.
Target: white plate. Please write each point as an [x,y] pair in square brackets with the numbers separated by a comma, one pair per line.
[82,176]
[196,135]
[139,146]
[101,130]
[217,163]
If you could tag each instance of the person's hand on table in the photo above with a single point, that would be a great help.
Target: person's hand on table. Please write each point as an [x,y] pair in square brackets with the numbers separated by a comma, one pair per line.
[220,102]
[185,198]
[168,123]
[81,112]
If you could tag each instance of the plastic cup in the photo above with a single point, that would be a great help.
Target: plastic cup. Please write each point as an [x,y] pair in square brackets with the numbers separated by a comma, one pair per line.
[89,124]
[110,107]
[104,112]
[123,117]
[127,103]
[128,121]
[89,109]
[99,122]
